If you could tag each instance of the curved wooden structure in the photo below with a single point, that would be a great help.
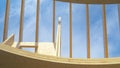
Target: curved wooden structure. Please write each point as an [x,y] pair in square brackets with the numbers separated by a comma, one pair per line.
[16,58]
[48,54]
[92,1]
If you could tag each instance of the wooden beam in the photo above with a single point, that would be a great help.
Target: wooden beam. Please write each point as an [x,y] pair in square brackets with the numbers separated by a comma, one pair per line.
[70,29]
[21,21]
[105,32]
[54,19]
[92,1]
[27,47]
[5,33]
[37,25]
[88,31]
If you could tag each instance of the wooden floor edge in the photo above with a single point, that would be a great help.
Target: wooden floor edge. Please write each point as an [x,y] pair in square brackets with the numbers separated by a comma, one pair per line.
[30,55]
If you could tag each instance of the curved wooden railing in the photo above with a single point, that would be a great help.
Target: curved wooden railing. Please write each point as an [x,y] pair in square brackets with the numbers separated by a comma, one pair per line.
[92,1]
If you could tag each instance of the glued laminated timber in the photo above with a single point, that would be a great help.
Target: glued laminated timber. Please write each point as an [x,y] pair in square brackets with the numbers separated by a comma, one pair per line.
[92,1]
[12,55]
[16,58]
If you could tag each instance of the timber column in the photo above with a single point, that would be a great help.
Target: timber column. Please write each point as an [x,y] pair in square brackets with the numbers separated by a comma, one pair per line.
[54,19]
[37,25]
[70,28]
[5,33]
[21,21]
[105,33]
[88,31]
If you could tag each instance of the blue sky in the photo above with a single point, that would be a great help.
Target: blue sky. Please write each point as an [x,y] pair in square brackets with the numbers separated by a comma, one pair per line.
[79,26]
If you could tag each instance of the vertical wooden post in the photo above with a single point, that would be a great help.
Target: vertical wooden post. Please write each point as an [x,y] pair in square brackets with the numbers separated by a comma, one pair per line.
[6,20]
[88,31]
[21,21]
[54,19]
[105,33]
[58,42]
[37,25]
[119,15]
[70,29]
